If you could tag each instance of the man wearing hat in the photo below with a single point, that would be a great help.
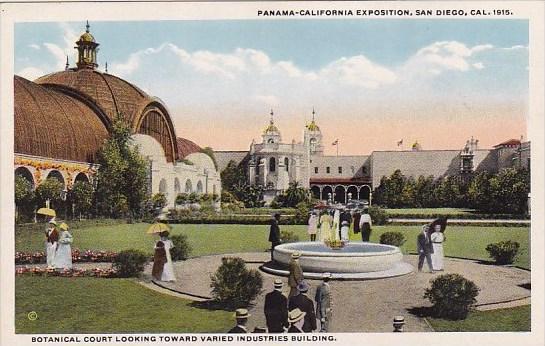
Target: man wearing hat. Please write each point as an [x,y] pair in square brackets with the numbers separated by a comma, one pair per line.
[276,309]
[241,316]
[296,274]
[323,303]
[274,233]
[305,304]
[296,319]
[52,238]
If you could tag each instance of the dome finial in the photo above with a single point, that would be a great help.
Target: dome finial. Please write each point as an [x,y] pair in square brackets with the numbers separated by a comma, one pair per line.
[67,64]
[87,26]
[313,113]
[106,67]
[272,114]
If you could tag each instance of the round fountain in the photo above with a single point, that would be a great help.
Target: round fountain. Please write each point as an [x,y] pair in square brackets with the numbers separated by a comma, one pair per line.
[350,260]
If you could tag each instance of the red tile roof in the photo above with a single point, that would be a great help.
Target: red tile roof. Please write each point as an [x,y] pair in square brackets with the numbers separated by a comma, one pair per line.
[509,143]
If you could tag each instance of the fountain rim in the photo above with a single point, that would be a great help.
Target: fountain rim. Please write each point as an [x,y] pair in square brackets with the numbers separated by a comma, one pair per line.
[288,248]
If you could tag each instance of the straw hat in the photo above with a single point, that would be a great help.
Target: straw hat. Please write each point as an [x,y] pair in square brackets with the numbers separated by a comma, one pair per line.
[64,226]
[278,283]
[326,275]
[296,315]
[241,313]
[53,222]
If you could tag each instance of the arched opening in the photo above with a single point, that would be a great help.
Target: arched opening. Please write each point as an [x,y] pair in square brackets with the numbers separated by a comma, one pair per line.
[340,194]
[315,191]
[365,191]
[177,187]
[153,124]
[352,193]
[272,164]
[54,174]
[287,163]
[188,186]
[163,186]
[199,187]
[327,192]
[313,145]
[82,177]
[24,172]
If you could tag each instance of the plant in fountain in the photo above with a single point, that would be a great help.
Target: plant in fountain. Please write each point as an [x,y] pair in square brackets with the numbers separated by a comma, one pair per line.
[335,244]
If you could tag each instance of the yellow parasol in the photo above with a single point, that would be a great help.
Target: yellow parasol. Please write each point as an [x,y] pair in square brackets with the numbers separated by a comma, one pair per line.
[158,227]
[47,212]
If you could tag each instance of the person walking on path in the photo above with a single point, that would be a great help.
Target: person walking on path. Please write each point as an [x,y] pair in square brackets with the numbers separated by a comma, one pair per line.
[274,233]
[241,315]
[296,274]
[63,257]
[326,222]
[437,238]
[336,225]
[356,219]
[159,260]
[296,319]
[365,225]
[312,226]
[276,309]
[323,303]
[168,268]
[51,242]
[305,304]
[424,248]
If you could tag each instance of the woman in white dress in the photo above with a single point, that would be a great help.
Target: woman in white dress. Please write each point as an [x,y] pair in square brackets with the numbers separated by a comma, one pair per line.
[51,242]
[63,257]
[168,268]
[312,226]
[325,226]
[437,238]
[336,225]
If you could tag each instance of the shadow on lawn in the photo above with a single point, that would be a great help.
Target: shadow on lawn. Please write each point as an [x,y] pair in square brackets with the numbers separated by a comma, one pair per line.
[421,311]
[215,306]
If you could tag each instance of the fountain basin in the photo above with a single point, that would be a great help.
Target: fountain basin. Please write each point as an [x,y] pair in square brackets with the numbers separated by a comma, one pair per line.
[357,260]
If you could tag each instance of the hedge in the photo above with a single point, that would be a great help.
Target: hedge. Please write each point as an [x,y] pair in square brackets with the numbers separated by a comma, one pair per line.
[465,216]
[233,219]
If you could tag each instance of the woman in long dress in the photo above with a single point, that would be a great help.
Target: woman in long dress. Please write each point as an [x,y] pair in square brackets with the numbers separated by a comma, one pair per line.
[437,238]
[51,242]
[159,260]
[168,268]
[63,257]
[312,226]
[325,226]
[336,225]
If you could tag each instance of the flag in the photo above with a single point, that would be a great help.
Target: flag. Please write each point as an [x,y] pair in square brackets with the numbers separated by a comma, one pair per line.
[336,142]
[400,142]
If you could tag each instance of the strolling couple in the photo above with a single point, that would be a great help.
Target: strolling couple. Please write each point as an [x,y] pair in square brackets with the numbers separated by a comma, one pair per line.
[430,245]
[58,248]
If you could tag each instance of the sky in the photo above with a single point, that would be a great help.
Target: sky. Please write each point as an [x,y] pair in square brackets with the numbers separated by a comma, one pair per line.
[372,83]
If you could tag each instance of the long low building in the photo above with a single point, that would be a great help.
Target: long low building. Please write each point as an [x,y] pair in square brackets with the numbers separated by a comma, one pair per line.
[62,119]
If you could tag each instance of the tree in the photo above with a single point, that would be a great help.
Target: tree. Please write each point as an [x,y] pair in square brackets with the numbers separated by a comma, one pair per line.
[51,190]
[233,175]
[294,195]
[24,198]
[250,195]
[479,191]
[81,196]
[122,177]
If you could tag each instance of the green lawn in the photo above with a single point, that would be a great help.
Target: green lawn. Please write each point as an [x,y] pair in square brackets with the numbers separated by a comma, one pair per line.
[501,320]
[90,305]
[462,241]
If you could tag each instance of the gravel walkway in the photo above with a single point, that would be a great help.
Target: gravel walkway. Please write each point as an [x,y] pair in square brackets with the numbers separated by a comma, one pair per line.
[365,306]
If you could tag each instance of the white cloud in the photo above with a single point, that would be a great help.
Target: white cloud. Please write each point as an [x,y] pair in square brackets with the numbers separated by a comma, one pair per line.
[516,47]
[358,71]
[58,53]
[34,46]
[30,73]
[478,65]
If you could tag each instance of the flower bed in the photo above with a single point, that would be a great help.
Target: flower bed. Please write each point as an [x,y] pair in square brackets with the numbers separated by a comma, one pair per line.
[76,272]
[77,257]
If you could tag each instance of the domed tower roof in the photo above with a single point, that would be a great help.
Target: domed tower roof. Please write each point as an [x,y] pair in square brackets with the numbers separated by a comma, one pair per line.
[312,125]
[271,129]
[186,147]
[51,124]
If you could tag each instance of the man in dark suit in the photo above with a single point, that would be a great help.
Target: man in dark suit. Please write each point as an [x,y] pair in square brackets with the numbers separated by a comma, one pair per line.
[274,233]
[241,316]
[424,248]
[296,320]
[276,309]
[305,304]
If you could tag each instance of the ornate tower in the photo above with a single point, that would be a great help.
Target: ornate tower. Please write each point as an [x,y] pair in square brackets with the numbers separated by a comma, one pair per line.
[313,137]
[87,50]
[271,134]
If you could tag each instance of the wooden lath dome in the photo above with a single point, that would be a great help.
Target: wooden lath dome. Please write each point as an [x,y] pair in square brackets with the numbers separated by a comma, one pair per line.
[51,124]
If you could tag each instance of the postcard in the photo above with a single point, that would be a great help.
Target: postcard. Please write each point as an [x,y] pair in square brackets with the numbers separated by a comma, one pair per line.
[272,173]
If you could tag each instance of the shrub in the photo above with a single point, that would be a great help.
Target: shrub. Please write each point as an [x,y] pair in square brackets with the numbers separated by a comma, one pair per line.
[274,204]
[181,249]
[193,197]
[159,201]
[287,236]
[504,252]
[392,238]
[452,296]
[181,198]
[378,215]
[233,284]
[302,213]
[130,263]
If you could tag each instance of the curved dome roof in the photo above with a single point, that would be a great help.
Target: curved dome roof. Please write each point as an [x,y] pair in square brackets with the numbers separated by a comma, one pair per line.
[112,94]
[186,147]
[87,37]
[51,124]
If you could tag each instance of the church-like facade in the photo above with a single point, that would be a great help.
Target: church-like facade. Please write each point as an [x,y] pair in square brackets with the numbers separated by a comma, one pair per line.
[62,120]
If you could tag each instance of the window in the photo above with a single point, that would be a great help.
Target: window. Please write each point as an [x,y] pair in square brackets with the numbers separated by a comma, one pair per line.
[315,170]
[340,170]
[287,164]
[272,164]
[327,170]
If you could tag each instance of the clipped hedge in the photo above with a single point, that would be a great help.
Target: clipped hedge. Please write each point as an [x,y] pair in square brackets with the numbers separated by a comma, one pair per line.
[503,252]
[232,219]
[463,216]
[392,238]
[452,296]
[130,263]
